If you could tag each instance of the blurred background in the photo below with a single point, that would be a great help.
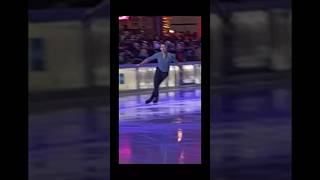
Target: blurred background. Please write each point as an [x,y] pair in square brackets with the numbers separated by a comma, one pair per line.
[250,38]
[68,80]
[68,47]
[251,66]
[250,84]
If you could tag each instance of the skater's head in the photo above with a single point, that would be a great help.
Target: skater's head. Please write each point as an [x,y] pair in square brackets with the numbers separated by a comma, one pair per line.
[163,48]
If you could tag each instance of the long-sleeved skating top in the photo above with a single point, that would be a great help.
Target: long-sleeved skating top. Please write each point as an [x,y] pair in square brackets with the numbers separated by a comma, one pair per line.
[163,61]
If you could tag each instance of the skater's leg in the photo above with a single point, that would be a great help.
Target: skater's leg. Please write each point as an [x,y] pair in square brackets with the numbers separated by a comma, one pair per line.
[156,80]
[156,83]
[163,76]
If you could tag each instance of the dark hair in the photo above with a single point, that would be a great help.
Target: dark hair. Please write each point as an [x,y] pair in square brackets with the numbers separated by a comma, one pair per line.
[164,45]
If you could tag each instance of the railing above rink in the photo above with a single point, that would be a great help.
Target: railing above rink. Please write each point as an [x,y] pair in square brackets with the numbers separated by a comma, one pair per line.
[135,78]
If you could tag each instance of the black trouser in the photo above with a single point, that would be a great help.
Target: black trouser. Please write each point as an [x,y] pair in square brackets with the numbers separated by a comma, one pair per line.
[158,78]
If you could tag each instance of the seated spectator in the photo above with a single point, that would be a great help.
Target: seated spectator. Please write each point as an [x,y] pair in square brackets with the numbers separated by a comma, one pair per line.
[198,53]
[143,52]
[180,54]
[170,46]
[190,54]
[136,49]
[135,46]
[156,46]
[187,42]
[151,51]
[128,57]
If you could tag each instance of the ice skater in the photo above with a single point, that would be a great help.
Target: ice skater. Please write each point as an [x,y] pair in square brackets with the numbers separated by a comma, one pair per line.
[164,59]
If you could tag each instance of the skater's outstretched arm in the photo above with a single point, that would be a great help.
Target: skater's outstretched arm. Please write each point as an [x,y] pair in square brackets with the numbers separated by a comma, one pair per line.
[147,60]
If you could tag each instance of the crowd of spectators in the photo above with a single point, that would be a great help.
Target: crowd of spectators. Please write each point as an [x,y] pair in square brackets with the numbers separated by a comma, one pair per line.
[135,47]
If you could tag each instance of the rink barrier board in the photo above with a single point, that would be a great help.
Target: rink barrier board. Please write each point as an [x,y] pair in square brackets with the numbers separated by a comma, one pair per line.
[135,78]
